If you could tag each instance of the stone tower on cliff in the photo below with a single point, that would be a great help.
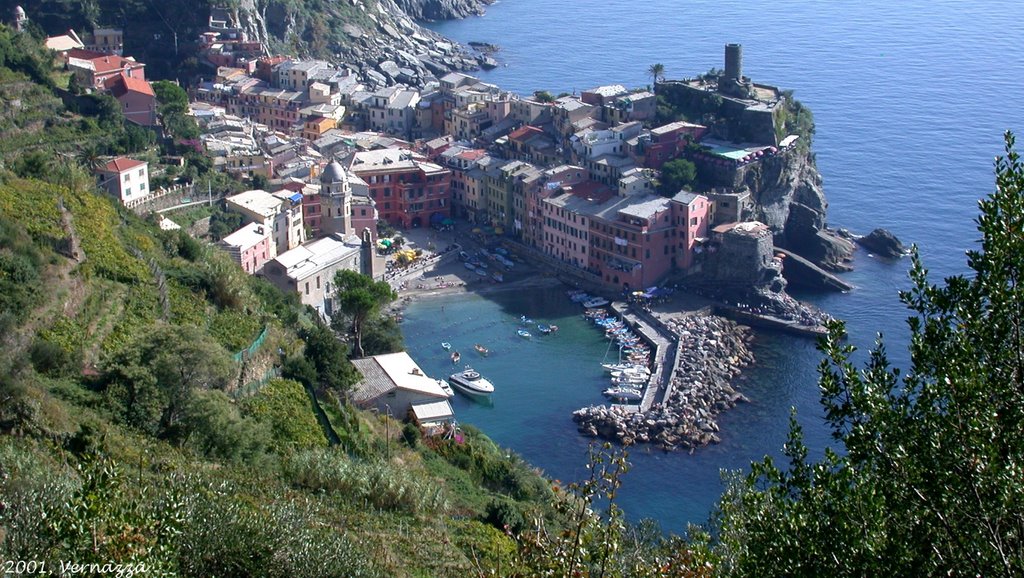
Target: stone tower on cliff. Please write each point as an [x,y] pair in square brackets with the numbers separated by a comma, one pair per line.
[732,82]
[336,200]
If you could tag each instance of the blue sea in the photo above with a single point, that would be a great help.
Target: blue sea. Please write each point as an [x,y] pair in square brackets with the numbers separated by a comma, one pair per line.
[910,100]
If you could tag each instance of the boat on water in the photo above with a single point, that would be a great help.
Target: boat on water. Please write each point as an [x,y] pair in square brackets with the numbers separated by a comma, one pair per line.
[446,388]
[469,265]
[613,367]
[456,356]
[498,277]
[469,381]
[623,393]
[446,346]
[523,333]
[481,272]
[481,349]
[544,328]
[595,302]
[636,370]
[525,320]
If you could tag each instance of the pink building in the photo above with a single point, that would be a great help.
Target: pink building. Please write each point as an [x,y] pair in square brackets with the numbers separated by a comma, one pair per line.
[668,142]
[249,246]
[138,101]
[568,218]
[637,240]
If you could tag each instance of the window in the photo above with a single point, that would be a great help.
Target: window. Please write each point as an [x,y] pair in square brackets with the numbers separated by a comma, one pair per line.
[128,191]
[142,187]
[317,281]
[142,172]
[693,221]
[126,177]
[307,287]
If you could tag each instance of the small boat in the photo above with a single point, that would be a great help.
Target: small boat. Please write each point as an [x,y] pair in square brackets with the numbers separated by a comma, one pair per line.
[501,251]
[634,371]
[525,320]
[470,381]
[446,388]
[446,346]
[595,302]
[554,328]
[624,367]
[623,393]
[470,266]
[481,349]
[481,272]
[523,333]
[456,357]
[498,277]
[463,256]
[543,328]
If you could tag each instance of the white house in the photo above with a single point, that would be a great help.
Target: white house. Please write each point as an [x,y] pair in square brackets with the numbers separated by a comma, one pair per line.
[280,213]
[125,178]
[393,384]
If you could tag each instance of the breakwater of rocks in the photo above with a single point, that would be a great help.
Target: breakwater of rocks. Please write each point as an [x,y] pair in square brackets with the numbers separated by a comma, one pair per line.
[711,351]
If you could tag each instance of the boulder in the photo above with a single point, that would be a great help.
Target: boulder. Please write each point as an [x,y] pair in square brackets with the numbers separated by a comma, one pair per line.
[883,243]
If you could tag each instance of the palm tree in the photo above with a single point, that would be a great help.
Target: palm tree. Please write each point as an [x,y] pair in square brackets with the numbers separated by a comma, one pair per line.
[657,72]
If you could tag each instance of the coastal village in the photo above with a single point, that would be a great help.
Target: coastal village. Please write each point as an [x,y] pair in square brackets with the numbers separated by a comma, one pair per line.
[571,186]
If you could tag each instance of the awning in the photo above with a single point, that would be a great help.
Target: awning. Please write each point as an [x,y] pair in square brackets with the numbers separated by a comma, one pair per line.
[385,242]
[448,222]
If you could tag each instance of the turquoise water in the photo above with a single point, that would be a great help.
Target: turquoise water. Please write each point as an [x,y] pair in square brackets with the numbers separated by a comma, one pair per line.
[910,100]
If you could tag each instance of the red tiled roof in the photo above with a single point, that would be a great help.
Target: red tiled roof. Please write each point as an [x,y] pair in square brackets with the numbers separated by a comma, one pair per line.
[103,62]
[472,155]
[523,131]
[122,164]
[122,84]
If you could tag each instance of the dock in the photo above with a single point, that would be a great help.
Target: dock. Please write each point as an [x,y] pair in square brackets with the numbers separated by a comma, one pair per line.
[664,348]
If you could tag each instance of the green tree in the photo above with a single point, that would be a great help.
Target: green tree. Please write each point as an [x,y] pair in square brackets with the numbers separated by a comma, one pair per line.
[928,482]
[676,175]
[543,96]
[329,358]
[151,380]
[360,298]
[656,72]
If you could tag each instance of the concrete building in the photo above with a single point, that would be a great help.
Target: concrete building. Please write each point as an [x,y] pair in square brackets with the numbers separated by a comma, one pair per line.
[126,179]
[249,246]
[138,101]
[394,385]
[280,213]
[309,270]
[94,69]
[408,190]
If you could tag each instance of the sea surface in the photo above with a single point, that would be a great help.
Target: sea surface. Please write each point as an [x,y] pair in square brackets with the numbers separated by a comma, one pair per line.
[910,100]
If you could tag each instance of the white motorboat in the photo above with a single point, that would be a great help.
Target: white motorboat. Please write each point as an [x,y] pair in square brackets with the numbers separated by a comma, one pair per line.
[446,388]
[635,371]
[611,367]
[595,302]
[623,393]
[470,381]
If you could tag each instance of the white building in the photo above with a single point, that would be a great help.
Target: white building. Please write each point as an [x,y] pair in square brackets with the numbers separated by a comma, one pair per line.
[393,384]
[280,213]
[309,269]
[125,178]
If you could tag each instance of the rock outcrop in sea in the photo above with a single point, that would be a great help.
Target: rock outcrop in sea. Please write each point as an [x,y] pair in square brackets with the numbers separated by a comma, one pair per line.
[711,353]
[883,243]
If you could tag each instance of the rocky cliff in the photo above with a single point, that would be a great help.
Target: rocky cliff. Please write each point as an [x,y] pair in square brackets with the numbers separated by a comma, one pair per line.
[380,38]
[789,198]
[443,9]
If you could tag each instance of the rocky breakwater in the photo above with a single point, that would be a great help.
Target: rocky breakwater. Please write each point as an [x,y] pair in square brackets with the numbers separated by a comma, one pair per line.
[711,353]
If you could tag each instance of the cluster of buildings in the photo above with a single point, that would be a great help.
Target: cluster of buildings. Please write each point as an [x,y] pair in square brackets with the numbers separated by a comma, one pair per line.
[574,178]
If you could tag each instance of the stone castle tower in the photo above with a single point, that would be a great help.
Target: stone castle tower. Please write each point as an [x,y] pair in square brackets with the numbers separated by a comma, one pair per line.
[336,200]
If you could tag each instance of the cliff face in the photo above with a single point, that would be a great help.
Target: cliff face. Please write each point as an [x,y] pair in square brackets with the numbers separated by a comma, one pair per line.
[443,9]
[789,198]
[380,38]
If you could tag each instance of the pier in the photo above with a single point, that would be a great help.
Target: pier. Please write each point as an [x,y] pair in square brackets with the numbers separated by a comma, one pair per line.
[664,348]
